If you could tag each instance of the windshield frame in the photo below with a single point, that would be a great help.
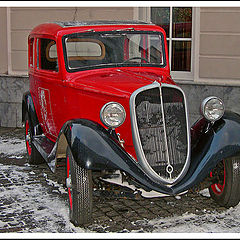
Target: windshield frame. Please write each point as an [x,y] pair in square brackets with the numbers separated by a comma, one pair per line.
[112,65]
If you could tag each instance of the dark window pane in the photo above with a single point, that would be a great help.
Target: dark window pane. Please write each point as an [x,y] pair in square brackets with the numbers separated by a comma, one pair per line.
[161,17]
[182,22]
[181,56]
[48,57]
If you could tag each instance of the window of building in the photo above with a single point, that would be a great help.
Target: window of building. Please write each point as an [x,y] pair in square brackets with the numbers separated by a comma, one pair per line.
[47,54]
[177,22]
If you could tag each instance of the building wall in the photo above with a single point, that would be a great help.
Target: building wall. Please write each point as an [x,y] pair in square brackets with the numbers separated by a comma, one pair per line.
[15,25]
[11,91]
[3,41]
[217,53]
[219,59]
[24,19]
[196,93]
[13,87]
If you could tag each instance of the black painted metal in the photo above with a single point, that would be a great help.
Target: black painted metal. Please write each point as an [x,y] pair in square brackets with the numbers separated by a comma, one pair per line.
[210,145]
[43,145]
[93,147]
[28,107]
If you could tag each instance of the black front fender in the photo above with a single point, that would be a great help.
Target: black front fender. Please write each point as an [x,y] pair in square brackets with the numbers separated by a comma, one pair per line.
[211,143]
[94,148]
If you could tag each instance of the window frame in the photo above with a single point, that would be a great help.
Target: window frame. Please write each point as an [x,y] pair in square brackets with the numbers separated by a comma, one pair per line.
[185,75]
[87,34]
[31,53]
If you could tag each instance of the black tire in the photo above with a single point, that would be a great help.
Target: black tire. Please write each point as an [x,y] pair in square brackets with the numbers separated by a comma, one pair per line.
[79,184]
[34,157]
[226,190]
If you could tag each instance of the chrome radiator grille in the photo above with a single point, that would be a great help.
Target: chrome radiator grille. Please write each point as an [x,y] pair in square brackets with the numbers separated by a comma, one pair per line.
[162,128]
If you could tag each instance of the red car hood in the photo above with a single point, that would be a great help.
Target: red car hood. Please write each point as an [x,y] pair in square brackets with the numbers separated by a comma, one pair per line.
[116,81]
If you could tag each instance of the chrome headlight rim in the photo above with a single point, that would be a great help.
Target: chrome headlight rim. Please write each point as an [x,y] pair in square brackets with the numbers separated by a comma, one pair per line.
[102,112]
[203,108]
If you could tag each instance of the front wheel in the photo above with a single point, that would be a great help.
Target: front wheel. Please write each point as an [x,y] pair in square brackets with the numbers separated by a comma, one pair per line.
[226,187]
[79,185]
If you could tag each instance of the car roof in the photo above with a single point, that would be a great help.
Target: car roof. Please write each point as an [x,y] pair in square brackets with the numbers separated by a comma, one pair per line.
[53,28]
[94,23]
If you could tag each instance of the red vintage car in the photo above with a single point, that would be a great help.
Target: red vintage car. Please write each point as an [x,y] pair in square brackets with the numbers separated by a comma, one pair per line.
[102,98]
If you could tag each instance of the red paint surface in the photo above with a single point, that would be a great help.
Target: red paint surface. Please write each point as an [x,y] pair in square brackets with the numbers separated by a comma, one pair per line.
[65,96]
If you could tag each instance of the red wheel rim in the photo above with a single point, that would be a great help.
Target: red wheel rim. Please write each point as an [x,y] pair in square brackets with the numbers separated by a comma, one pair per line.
[29,149]
[69,189]
[219,187]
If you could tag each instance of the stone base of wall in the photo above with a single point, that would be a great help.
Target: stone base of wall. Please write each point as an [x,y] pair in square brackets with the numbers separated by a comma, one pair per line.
[11,91]
[196,93]
[13,87]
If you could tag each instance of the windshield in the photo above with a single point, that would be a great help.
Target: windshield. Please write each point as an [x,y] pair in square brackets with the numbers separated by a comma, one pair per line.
[94,50]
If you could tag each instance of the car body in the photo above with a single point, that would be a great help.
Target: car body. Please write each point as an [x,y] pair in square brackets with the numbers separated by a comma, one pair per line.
[101,96]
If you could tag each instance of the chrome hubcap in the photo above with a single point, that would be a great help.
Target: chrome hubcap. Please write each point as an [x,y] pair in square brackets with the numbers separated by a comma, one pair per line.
[69,182]
[28,138]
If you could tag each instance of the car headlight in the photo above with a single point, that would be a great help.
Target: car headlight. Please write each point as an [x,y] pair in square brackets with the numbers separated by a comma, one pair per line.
[212,108]
[113,114]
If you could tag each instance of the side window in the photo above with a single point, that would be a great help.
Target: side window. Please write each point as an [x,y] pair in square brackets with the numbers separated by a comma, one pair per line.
[47,54]
[31,52]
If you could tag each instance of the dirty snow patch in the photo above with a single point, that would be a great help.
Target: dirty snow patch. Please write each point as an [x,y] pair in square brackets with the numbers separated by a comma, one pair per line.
[54,184]
[205,192]
[213,222]
[12,147]
[44,211]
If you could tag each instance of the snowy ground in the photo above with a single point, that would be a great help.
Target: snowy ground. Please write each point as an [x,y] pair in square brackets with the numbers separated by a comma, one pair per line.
[25,197]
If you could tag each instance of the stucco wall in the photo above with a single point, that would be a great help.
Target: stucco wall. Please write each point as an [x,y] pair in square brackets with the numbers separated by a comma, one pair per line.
[3,41]
[219,44]
[22,20]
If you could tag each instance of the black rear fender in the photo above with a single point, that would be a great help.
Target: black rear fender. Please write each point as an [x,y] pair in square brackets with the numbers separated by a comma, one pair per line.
[28,107]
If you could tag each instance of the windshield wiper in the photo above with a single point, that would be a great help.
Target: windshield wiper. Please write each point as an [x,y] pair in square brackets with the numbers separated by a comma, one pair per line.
[89,30]
[124,29]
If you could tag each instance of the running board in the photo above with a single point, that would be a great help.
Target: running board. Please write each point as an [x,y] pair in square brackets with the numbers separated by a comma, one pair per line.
[43,145]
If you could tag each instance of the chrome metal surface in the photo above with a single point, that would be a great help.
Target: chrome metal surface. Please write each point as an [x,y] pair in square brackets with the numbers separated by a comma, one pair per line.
[161,131]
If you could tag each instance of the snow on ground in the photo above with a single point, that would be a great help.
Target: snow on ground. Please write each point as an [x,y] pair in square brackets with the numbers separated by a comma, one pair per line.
[33,200]
[25,197]
[45,207]
[12,147]
[226,222]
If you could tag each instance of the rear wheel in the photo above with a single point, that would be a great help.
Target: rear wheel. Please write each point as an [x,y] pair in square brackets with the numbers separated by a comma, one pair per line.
[79,185]
[226,187]
[34,157]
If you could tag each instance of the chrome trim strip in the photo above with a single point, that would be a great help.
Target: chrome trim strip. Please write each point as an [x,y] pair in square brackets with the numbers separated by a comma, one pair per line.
[187,163]
[137,142]
[165,133]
